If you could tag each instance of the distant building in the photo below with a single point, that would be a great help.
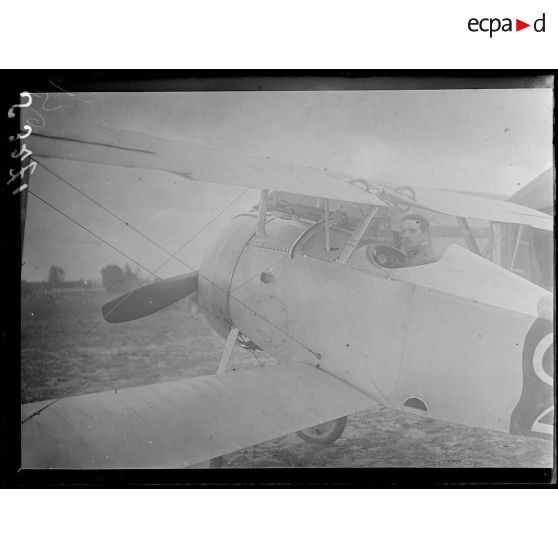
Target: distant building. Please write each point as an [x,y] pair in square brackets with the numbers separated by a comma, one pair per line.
[35,288]
[62,288]
[81,284]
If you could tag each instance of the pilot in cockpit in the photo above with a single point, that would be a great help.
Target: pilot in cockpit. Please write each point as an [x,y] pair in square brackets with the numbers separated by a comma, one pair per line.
[415,241]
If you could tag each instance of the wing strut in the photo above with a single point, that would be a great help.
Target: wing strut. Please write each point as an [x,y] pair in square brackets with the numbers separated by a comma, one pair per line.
[516,248]
[227,352]
[468,234]
[217,462]
[357,235]
[262,209]
[326,220]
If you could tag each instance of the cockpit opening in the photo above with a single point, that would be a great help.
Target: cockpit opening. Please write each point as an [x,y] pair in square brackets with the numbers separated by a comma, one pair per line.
[330,228]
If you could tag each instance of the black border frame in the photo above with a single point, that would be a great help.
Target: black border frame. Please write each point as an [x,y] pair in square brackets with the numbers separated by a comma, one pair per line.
[216,80]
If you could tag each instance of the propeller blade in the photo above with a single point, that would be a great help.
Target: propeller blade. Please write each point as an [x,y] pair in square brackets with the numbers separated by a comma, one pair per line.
[150,298]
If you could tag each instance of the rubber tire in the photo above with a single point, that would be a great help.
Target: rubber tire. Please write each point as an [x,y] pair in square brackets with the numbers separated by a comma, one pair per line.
[336,431]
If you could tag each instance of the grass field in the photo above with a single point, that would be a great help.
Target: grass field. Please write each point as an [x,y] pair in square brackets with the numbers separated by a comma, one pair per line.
[68,349]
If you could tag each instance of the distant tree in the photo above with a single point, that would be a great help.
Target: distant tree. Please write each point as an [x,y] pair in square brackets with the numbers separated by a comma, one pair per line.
[131,278]
[113,279]
[56,275]
[116,280]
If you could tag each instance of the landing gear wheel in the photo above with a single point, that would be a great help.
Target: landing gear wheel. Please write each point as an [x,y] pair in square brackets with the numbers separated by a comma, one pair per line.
[325,433]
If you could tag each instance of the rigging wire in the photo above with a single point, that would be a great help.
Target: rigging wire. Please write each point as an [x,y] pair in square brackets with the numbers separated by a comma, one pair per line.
[98,204]
[92,233]
[152,273]
[172,255]
[192,269]
[143,235]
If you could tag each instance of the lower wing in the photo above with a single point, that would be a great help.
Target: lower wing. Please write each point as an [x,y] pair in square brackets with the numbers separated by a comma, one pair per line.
[181,423]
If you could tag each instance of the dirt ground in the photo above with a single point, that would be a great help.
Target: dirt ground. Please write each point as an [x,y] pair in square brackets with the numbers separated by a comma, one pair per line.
[68,349]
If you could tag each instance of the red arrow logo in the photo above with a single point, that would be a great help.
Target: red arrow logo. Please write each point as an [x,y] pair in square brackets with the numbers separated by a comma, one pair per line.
[519,25]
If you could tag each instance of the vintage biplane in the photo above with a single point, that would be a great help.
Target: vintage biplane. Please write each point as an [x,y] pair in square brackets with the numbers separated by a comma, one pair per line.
[312,276]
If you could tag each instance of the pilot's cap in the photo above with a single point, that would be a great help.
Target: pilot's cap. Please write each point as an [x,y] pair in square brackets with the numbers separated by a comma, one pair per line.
[421,221]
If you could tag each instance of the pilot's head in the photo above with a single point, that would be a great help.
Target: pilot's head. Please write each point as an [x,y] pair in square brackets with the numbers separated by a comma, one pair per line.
[415,231]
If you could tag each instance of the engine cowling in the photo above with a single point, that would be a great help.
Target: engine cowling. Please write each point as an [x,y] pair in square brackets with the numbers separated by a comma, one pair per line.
[217,271]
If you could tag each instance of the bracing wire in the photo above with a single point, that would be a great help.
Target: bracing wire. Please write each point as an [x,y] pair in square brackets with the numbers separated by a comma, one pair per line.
[192,269]
[92,233]
[143,235]
[86,382]
[171,255]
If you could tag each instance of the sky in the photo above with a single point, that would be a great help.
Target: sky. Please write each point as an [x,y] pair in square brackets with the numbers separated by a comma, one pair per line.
[476,140]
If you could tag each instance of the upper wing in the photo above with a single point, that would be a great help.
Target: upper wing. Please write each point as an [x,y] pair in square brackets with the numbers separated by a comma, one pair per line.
[195,162]
[468,206]
[537,193]
[175,424]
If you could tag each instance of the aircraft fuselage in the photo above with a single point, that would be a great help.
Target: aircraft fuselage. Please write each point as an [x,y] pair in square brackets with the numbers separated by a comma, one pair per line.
[408,346]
